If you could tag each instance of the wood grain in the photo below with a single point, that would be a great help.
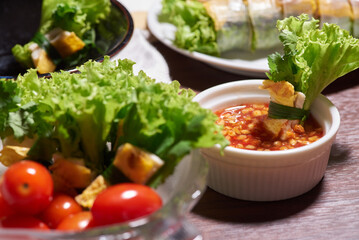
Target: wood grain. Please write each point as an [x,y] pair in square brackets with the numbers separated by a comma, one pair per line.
[329,211]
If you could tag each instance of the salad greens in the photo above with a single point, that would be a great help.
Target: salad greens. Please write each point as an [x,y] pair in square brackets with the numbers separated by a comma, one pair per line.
[79,114]
[313,58]
[195,28]
[73,15]
[78,16]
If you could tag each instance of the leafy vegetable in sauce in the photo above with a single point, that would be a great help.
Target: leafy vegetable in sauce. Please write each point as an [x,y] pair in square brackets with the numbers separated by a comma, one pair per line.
[313,58]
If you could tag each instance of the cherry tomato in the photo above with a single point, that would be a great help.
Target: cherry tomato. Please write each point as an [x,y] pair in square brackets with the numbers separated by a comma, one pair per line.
[60,207]
[76,222]
[23,221]
[27,187]
[123,202]
[5,209]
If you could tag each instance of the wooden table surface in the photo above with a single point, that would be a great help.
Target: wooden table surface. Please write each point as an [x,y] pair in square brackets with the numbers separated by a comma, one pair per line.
[329,211]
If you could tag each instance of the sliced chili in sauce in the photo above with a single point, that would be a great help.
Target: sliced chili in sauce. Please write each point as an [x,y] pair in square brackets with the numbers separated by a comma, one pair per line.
[243,126]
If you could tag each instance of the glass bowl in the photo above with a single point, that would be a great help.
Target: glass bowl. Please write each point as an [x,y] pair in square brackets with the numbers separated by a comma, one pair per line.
[266,175]
[180,192]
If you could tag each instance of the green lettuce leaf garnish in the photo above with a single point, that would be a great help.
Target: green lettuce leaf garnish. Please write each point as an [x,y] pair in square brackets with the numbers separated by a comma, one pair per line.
[195,28]
[106,103]
[313,58]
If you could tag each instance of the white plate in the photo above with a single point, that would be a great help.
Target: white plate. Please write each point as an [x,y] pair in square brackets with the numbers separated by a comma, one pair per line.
[246,63]
[146,57]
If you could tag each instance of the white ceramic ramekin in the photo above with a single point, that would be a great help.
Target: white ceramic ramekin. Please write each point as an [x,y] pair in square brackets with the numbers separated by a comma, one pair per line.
[266,176]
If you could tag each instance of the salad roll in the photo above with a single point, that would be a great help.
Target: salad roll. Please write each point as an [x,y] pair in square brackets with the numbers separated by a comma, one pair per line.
[335,11]
[264,15]
[297,7]
[231,23]
[216,27]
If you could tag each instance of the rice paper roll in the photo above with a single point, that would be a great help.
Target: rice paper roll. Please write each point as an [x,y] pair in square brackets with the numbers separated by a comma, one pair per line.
[264,15]
[335,11]
[355,8]
[231,23]
[298,7]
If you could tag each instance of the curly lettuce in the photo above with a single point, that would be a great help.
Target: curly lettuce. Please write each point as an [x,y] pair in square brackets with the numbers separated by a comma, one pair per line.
[313,58]
[195,28]
[73,15]
[106,103]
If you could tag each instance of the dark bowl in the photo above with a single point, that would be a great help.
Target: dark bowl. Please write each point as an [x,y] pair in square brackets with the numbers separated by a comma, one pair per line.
[20,20]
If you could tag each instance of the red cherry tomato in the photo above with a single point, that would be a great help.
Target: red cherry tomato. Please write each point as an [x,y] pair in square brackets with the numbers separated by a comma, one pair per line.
[27,187]
[5,209]
[23,221]
[123,202]
[60,207]
[76,222]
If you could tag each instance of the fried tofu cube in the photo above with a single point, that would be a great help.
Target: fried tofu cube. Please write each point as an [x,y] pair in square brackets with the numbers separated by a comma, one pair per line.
[280,92]
[41,60]
[136,164]
[12,154]
[274,126]
[71,170]
[87,197]
[65,42]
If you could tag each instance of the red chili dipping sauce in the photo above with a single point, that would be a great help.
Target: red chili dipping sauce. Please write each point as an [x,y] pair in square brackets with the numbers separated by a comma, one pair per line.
[244,127]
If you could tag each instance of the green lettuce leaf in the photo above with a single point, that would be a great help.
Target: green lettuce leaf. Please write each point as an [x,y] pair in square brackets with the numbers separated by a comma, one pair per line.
[73,15]
[9,100]
[107,103]
[313,58]
[195,28]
